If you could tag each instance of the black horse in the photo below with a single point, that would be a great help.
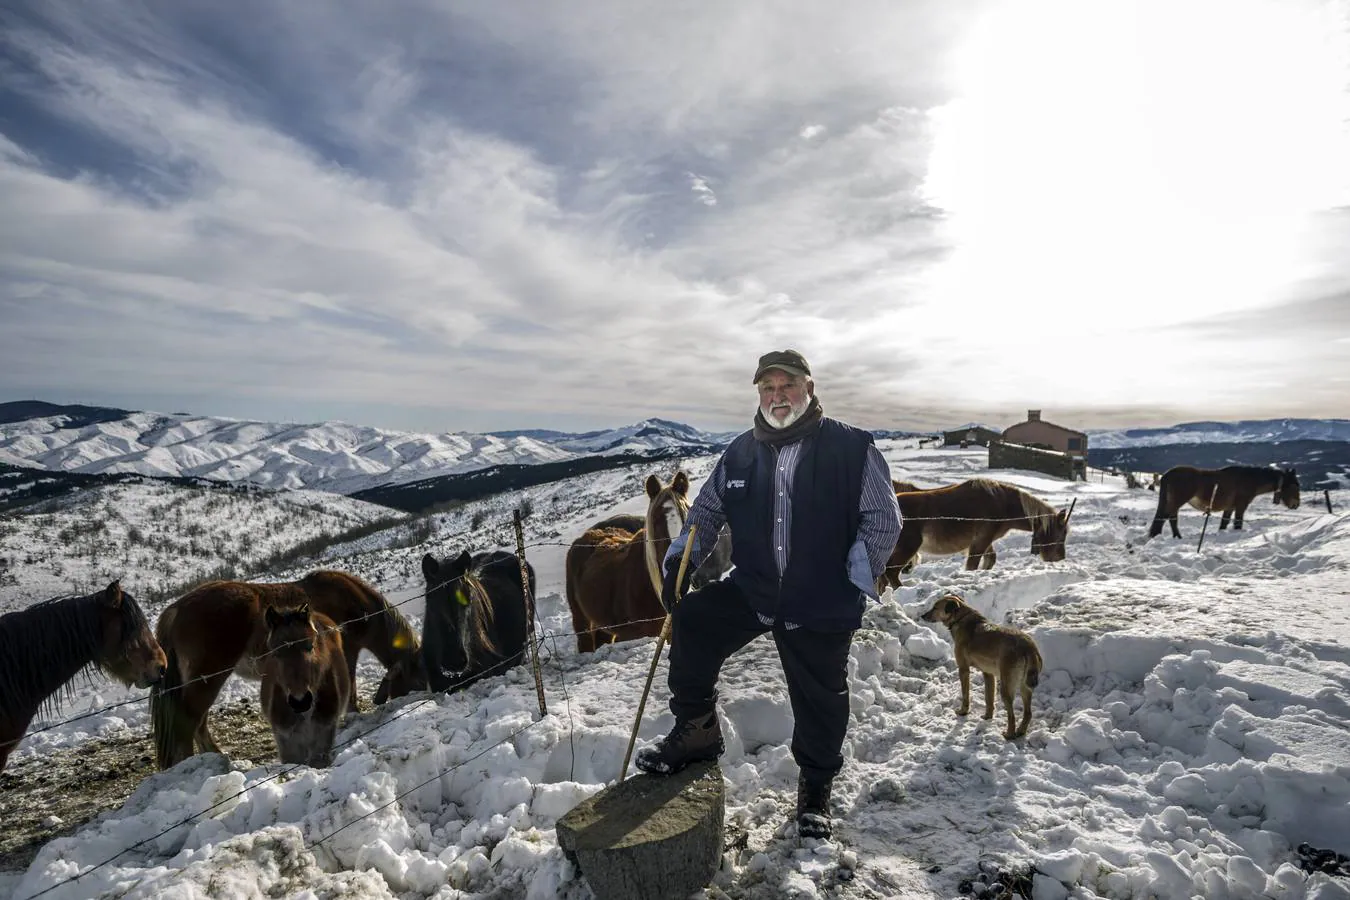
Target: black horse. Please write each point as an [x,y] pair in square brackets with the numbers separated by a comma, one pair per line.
[475,625]
[43,647]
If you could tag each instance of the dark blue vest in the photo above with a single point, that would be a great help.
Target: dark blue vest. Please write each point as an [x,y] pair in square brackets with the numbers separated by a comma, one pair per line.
[815,590]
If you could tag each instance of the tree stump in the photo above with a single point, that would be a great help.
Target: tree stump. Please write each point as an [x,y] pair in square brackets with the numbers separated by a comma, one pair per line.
[648,837]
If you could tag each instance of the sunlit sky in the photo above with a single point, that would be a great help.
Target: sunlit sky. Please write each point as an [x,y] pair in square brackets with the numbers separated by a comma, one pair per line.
[473,216]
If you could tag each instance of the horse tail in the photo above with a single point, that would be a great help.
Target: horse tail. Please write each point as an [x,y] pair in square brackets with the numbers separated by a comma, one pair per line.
[1162,513]
[1034,671]
[166,712]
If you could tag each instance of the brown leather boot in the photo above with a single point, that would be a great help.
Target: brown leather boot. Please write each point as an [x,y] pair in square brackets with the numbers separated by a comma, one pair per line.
[691,740]
[813,808]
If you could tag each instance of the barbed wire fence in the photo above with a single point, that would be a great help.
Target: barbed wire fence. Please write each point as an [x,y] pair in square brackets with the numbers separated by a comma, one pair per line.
[536,640]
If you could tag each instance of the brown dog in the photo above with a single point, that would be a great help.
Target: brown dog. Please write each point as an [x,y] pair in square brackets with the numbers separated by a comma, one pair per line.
[996,650]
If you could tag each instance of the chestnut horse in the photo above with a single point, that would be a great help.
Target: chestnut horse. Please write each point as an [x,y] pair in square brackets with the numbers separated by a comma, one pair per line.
[43,647]
[476,619]
[1236,487]
[614,572]
[970,516]
[218,628]
[305,683]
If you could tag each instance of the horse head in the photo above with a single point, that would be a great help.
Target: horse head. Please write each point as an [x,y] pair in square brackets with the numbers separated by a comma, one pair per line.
[127,649]
[294,657]
[668,506]
[457,621]
[1048,535]
[1287,489]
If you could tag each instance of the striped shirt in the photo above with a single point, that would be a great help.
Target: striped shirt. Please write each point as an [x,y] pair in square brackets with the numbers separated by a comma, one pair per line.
[878,522]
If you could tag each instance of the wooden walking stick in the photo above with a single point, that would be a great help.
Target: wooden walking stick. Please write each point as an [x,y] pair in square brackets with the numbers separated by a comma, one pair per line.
[1208,509]
[660,640]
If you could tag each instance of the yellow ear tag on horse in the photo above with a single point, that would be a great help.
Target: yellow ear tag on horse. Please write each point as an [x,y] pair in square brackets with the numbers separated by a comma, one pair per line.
[462,597]
[400,641]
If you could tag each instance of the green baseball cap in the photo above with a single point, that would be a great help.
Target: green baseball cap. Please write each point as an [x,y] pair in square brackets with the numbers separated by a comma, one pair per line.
[789,361]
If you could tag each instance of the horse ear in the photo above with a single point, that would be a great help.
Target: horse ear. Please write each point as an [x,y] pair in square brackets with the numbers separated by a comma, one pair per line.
[429,566]
[272,617]
[465,561]
[112,595]
[681,483]
[653,486]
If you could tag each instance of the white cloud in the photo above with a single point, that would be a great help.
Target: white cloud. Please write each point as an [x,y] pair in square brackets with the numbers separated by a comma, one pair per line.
[499,219]
[702,190]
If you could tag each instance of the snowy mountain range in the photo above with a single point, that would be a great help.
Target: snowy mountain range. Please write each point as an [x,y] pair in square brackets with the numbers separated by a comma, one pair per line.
[330,456]
[1253,431]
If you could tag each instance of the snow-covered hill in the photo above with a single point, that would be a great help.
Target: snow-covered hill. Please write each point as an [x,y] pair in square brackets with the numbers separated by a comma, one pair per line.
[1189,734]
[330,456]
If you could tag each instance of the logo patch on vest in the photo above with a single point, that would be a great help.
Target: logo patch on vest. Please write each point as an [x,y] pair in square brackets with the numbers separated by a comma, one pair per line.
[735,482]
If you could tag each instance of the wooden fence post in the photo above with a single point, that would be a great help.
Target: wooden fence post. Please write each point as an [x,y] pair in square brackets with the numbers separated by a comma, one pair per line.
[529,611]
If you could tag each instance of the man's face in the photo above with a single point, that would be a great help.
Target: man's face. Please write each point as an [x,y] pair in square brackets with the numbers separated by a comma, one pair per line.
[782,397]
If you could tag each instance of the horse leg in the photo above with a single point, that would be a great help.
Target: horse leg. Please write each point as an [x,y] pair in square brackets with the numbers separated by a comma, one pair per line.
[1223,521]
[905,554]
[351,652]
[1165,512]
[988,695]
[1238,512]
[198,698]
[980,555]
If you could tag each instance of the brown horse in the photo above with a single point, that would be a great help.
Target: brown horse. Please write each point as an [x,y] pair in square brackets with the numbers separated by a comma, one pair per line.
[1230,490]
[43,647]
[614,573]
[970,516]
[305,683]
[218,628]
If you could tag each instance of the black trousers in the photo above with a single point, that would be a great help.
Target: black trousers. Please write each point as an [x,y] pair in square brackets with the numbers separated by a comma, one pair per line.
[714,622]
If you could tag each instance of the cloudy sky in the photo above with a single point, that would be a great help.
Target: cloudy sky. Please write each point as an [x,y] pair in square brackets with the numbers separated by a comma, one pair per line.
[454,215]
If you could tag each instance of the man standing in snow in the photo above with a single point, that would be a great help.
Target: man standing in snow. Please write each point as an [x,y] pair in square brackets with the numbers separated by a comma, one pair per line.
[813,518]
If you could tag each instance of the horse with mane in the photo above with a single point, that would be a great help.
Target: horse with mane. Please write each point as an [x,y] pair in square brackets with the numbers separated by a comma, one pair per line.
[476,619]
[969,517]
[1230,489]
[305,683]
[43,648]
[614,570]
[218,629]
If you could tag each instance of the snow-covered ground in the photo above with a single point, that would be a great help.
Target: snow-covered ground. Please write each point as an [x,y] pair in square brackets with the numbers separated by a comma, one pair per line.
[1192,728]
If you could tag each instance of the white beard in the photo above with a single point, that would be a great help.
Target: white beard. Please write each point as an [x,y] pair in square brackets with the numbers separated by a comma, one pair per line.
[793,415]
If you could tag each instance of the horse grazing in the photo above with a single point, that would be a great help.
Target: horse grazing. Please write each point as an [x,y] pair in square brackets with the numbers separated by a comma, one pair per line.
[970,516]
[43,647]
[614,571]
[476,620]
[1236,487]
[218,628]
[305,683]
